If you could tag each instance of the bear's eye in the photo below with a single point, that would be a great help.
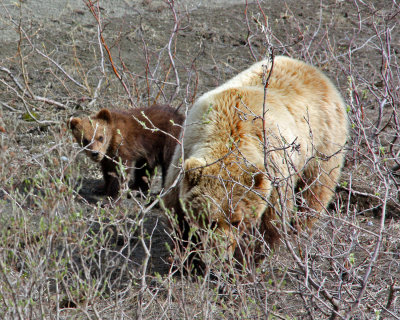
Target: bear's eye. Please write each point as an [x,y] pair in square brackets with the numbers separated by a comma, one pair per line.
[236,224]
[214,225]
[100,139]
[85,142]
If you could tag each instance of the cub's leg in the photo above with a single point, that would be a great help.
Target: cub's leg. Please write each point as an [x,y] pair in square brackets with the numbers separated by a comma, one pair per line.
[164,172]
[141,175]
[111,180]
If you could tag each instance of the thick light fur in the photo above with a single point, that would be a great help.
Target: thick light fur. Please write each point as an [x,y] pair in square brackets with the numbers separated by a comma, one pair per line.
[238,177]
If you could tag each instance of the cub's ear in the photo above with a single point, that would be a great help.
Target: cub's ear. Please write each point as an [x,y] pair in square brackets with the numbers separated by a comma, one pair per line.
[104,114]
[73,122]
[193,170]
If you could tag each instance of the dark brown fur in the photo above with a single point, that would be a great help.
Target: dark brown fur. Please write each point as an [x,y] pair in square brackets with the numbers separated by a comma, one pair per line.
[127,136]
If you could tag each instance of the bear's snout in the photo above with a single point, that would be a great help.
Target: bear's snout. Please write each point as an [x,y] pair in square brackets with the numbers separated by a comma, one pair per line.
[95,155]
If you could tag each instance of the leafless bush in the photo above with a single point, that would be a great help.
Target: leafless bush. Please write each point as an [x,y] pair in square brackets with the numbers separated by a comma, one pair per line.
[63,255]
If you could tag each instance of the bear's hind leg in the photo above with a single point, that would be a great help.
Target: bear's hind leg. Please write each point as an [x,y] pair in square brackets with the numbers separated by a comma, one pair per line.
[320,183]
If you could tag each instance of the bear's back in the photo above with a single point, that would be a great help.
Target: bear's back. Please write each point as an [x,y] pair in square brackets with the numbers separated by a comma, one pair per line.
[299,99]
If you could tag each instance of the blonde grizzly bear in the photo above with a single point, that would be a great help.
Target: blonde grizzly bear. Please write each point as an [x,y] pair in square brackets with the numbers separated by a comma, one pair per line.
[247,148]
[142,138]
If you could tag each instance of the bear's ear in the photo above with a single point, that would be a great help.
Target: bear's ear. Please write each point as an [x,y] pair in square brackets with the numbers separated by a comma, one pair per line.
[258,180]
[73,122]
[104,114]
[193,170]
[194,163]
[261,183]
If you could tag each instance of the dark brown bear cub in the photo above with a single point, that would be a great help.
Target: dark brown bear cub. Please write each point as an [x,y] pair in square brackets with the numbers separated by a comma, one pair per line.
[141,139]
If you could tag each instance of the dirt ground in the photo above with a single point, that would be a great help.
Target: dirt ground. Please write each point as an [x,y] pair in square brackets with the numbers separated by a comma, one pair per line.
[52,68]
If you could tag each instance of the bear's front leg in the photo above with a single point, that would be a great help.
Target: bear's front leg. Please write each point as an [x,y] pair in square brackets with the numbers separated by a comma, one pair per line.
[111,178]
[141,174]
[100,190]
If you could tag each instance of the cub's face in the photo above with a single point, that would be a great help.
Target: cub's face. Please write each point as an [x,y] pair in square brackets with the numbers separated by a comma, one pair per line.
[93,133]
[226,198]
